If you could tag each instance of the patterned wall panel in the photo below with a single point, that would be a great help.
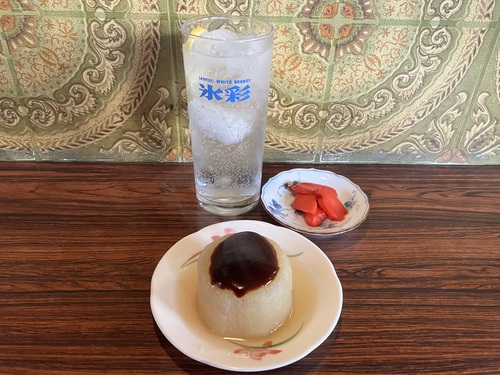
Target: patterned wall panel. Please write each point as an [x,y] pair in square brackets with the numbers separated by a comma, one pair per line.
[354,81]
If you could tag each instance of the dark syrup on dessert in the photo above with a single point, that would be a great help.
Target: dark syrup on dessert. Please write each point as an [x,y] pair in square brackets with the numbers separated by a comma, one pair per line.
[243,262]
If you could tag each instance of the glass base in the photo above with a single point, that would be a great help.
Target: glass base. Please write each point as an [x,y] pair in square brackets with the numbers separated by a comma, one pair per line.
[228,208]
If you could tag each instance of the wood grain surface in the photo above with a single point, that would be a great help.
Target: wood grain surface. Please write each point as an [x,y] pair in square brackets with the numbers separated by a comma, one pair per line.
[79,244]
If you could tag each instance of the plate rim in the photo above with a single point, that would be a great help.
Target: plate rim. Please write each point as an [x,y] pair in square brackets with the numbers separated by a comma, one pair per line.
[312,232]
[315,254]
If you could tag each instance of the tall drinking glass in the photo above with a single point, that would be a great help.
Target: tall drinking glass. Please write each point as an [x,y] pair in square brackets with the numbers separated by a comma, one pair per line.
[227,62]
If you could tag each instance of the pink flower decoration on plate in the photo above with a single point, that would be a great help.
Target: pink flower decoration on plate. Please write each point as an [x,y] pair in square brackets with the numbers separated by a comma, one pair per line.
[226,231]
[258,353]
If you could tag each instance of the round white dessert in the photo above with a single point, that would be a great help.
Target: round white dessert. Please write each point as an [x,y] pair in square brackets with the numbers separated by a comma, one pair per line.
[257,312]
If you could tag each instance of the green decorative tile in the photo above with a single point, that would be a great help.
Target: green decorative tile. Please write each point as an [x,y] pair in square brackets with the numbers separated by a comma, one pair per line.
[479,141]
[150,133]
[354,81]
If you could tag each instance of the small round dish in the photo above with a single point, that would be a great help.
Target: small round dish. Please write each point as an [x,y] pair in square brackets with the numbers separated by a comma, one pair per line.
[277,200]
[316,308]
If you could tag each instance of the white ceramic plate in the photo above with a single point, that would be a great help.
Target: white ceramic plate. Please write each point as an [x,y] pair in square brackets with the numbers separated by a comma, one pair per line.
[277,201]
[317,302]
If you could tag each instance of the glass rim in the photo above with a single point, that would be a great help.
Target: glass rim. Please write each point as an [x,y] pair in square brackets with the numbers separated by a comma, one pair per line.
[247,19]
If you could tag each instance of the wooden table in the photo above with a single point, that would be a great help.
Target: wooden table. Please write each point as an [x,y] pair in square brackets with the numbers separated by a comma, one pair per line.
[79,243]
